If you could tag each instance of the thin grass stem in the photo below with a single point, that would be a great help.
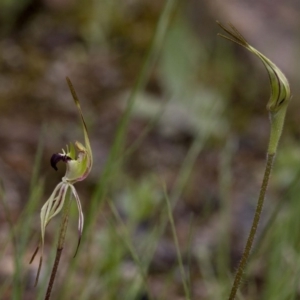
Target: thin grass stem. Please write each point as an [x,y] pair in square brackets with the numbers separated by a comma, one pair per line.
[179,257]
[126,239]
[144,73]
[189,252]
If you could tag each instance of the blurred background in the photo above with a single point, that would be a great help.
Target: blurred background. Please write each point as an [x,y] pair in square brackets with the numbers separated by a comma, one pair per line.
[177,118]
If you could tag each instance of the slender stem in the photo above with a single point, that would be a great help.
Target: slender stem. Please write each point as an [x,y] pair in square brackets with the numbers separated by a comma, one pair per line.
[61,239]
[125,236]
[179,257]
[247,250]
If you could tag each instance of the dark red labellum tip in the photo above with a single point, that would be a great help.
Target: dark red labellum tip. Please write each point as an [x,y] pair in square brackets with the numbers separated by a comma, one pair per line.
[56,157]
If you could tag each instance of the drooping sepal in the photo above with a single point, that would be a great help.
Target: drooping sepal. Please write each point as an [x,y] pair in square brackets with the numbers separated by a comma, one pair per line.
[80,217]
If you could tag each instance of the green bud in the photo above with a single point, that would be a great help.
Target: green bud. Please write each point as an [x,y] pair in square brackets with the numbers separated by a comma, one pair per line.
[280,89]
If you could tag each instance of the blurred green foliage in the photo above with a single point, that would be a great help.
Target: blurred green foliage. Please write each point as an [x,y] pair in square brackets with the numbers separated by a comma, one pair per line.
[199,96]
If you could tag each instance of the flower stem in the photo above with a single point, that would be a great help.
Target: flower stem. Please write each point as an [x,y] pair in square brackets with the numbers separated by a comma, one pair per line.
[247,250]
[61,239]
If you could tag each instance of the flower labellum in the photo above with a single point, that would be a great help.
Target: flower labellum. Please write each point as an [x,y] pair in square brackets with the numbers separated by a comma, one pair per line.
[79,160]
[56,157]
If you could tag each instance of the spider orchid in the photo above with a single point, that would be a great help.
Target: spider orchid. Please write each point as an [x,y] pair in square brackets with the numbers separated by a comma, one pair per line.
[79,160]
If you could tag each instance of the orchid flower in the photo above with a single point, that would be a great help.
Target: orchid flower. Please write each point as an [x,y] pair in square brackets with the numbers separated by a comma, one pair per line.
[79,160]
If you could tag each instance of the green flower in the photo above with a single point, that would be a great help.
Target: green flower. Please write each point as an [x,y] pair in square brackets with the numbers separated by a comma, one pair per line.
[79,160]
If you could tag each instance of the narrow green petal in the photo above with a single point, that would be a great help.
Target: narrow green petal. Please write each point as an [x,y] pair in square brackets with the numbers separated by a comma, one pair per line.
[72,152]
[80,218]
[45,211]
[52,207]
[60,200]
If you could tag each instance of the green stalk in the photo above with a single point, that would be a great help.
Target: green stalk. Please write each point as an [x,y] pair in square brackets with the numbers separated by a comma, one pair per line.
[247,250]
[60,245]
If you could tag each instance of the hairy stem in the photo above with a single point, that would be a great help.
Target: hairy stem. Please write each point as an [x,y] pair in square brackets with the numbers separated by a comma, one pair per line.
[247,250]
[60,245]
